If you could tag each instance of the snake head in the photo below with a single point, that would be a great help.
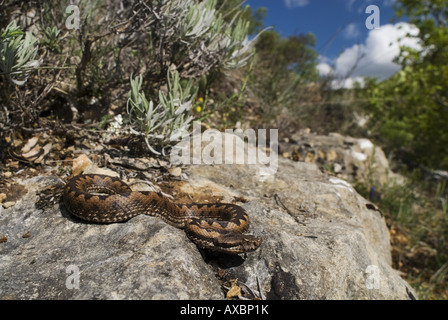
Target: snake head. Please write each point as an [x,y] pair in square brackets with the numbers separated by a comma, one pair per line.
[250,243]
[236,243]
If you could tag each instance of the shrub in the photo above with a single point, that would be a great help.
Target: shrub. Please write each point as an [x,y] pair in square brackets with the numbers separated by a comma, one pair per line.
[169,120]
[191,38]
[17,54]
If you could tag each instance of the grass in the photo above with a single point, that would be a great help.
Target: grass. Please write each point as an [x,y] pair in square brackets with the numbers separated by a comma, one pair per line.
[416,214]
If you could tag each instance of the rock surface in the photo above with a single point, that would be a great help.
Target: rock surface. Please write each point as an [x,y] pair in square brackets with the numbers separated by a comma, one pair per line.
[352,159]
[143,258]
[321,240]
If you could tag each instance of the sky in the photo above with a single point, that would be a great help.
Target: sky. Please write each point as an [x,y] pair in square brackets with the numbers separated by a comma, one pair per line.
[347,47]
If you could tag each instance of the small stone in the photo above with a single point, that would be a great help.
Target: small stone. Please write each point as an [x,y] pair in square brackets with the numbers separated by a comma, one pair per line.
[337,168]
[331,155]
[175,172]
[80,164]
[8,204]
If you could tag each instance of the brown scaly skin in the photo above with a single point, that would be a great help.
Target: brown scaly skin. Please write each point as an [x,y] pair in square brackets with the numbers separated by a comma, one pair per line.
[103,199]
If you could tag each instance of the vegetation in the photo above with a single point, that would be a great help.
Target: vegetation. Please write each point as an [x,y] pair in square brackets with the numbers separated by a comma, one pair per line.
[166,44]
[18,54]
[417,215]
[409,111]
[408,117]
[170,119]
[149,68]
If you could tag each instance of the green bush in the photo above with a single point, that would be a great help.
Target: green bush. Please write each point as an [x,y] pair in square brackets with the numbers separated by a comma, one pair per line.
[169,45]
[409,111]
[169,120]
[198,39]
[18,52]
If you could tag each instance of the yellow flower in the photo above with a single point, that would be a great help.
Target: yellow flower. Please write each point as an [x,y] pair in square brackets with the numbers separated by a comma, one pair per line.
[201,100]
[198,109]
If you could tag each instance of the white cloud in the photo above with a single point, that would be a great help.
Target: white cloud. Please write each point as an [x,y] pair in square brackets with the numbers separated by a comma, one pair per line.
[375,57]
[347,83]
[348,60]
[296,3]
[352,31]
[324,68]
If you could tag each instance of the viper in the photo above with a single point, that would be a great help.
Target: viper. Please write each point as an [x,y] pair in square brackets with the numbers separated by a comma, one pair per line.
[217,227]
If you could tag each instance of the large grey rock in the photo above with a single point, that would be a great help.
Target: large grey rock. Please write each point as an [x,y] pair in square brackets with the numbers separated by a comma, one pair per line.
[143,258]
[329,242]
[321,240]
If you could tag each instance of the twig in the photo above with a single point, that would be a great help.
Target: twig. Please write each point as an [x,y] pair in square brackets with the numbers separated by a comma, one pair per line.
[280,203]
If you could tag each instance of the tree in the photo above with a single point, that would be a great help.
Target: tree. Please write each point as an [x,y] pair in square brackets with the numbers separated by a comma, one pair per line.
[283,68]
[295,53]
[409,111]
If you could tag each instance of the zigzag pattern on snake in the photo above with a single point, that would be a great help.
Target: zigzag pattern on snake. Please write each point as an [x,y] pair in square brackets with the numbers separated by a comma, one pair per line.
[105,199]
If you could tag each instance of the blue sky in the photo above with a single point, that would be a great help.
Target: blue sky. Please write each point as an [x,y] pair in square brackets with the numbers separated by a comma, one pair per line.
[341,33]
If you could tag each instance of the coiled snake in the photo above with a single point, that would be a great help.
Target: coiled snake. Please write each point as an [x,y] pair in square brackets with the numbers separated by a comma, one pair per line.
[104,199]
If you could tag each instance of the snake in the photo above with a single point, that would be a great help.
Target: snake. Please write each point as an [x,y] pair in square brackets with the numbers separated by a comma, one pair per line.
[219,227]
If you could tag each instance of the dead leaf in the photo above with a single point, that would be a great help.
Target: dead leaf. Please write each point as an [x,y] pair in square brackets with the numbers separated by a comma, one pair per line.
[30,144]
[32,153]
[46,149]
[13,164]
[234,291]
